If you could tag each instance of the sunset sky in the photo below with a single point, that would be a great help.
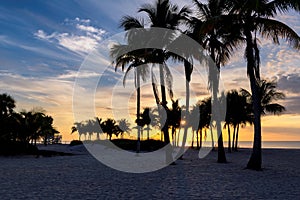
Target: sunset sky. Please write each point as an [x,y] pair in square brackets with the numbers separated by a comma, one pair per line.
[43,44]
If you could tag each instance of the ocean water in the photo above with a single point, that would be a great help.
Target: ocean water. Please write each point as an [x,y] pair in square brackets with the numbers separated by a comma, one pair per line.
[271,144]
[249,144]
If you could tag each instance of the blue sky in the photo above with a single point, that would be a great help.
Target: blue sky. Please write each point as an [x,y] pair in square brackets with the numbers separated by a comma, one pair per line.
[43,44]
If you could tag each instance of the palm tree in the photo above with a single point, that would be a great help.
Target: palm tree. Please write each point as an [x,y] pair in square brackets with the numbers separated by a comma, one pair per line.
[219,45]
[7,104]
[194,122]
[174,119]
[242,114]
[163,14]
[47,131]
[78,126]
[110,127]
[268,94]
[146,120]
[251,18]
[132,59]
[205,118]
[231,116]
[124,126]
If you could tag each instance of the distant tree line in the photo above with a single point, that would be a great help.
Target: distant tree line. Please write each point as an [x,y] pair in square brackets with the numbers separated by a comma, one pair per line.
[239,113]
[25,127]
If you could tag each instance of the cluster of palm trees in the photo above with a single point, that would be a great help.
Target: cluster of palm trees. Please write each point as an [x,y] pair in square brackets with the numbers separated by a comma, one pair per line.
[220,27]
[26,126]
[109,126]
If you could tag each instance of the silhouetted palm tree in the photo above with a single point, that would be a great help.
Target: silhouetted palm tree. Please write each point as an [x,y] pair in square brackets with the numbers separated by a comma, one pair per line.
[252,18]
[268,94]
[174,119]
[205,118]
[123,57]
[124,126]
[78,127]
[7,104]
[146,120]
[194,121]
[47,131]
[163,14]
[219,45]
[235,113]
[110,127]
[242,114]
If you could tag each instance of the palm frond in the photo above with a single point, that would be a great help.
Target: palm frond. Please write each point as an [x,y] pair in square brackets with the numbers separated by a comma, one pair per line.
[128,22]
[273,29]
[284,6]
[274,108]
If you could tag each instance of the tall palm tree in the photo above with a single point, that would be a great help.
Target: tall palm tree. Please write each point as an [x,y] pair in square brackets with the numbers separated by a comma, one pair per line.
[219,44]
[253,18]
[163,14]
[123,57]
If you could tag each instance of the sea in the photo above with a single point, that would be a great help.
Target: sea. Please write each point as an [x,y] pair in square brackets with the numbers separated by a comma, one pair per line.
[271,144]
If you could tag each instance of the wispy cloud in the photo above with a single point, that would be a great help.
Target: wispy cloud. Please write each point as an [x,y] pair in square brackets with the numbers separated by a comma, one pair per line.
[85,38]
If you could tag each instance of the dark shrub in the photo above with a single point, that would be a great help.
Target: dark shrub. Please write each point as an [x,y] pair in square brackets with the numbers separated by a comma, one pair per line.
[10,148]
[75,142]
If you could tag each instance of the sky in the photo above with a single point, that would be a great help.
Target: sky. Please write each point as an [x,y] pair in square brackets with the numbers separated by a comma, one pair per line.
[45,47]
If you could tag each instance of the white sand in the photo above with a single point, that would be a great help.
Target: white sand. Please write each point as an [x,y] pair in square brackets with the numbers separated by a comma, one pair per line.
[83,177]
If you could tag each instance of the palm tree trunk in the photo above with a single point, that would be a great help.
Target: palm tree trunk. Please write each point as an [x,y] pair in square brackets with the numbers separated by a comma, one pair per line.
[169,158]
[142,134]
[174,138]
[178,135]
[138,107]
[148,132]
[193,133]
[256,156]
[187,103]
[237,137]
[214,80]
[201,136]
[197,135]
[229,147]
[233,137]
[212,139]
[174,135]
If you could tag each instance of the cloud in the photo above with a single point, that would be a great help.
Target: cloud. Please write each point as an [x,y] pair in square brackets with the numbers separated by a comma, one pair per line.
[289,83]
[82,20]
[75,74]
[84,40]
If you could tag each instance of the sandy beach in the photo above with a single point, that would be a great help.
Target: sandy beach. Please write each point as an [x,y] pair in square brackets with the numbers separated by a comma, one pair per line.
[83,177]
